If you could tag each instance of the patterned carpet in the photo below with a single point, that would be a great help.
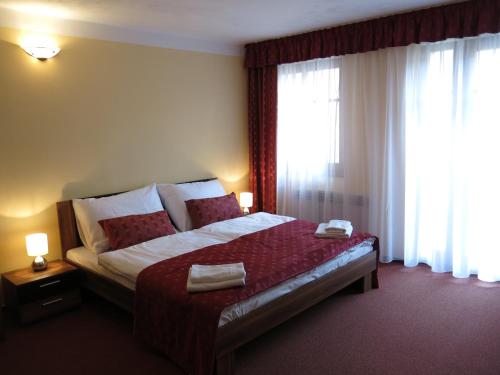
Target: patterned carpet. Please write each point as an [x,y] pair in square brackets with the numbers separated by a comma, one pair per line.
[418,322]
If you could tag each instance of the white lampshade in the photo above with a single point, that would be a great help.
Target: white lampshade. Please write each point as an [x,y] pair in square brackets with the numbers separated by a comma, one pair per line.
[41,52]
[246,199]
[40,47]
[37,244]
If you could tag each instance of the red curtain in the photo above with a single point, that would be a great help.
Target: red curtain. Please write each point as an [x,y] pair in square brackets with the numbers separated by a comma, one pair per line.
[262,120]
[458,20]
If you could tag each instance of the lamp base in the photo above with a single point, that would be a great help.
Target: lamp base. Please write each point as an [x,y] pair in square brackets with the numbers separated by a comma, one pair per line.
[39,264]
[246,211]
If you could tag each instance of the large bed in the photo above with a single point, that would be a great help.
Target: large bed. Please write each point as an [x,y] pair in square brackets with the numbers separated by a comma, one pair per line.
[113,275]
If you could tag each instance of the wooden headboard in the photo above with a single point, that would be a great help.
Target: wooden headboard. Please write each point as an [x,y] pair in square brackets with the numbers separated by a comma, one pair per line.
[68,231]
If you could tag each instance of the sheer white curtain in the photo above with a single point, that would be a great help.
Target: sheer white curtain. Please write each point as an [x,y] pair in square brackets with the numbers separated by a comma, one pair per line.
[372,114]
[452,180]
[339,142]
[404,143]
[308,144]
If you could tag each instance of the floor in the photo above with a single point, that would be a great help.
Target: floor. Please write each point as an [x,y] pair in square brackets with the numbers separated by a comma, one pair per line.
[418,322]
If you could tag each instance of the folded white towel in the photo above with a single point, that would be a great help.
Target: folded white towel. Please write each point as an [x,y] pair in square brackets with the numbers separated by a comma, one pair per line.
[341,226]
[216,273]
[322,233]
[204,287]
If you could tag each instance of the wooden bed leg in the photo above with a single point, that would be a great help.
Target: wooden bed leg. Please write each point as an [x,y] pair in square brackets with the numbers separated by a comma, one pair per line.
[225,364]
[367,283]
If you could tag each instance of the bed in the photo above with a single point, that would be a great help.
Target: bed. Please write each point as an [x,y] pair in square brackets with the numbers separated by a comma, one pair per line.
[246,321]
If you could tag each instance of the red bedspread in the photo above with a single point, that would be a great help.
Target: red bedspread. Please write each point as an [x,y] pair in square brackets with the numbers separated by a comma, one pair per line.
[184,325]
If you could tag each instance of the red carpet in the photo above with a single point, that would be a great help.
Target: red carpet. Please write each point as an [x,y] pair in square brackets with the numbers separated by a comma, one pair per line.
[419,322]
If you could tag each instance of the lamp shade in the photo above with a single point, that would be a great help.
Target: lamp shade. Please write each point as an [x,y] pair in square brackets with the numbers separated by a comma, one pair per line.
[246,199]
[41,52]
[39,46]
[37,244]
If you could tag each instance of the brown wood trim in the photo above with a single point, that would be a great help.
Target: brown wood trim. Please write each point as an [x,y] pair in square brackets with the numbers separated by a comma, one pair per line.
[367,283]
[224,364]
[106,288]
[68,232]
[26,275]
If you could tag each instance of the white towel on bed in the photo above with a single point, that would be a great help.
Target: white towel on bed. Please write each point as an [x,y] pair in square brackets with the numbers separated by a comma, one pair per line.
[339,226]
[216,273]
[214,285]
[322,233]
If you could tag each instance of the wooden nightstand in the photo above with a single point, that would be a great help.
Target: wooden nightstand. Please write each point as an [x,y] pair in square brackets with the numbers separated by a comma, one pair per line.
[35,295]
[1,318]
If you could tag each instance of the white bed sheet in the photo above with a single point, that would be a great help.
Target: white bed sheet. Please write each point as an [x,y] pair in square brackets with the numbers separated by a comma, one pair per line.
[86,258]
[124,265]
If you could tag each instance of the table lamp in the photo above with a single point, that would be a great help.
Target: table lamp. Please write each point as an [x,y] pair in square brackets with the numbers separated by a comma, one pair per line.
[246,201]
[37,246]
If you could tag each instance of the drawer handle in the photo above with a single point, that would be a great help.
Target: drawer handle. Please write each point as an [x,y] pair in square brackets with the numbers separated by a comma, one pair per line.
[48,303]
[51,283]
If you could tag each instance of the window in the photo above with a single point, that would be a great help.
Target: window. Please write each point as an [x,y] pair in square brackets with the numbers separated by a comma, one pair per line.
[308,140]
[308,116]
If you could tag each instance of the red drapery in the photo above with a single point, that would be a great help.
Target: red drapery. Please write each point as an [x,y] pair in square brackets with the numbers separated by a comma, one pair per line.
[459,20]
[262,119]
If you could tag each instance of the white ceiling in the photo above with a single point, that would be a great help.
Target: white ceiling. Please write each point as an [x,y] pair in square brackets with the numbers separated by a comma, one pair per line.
[217,26]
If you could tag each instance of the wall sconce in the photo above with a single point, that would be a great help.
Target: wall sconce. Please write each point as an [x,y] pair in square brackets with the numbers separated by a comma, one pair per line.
[40,48]
[246,201]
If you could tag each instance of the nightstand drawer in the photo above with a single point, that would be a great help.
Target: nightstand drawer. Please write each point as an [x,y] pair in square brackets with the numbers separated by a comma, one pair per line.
[48,306]
[34,295]
[47,287]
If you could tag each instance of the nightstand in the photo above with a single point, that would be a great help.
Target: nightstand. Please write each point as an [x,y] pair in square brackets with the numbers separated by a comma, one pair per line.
[1,318]
[35,295]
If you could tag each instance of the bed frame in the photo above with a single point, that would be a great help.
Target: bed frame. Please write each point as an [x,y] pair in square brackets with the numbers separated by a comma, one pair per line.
[246,328]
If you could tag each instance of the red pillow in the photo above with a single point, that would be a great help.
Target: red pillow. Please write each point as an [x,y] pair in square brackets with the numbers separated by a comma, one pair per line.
[210,210]
[130,230]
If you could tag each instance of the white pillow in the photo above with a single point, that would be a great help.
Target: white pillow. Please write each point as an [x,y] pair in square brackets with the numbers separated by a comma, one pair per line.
[89,211]
[173,197]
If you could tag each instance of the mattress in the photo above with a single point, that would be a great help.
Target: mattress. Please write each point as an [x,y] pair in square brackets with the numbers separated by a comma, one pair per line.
[124,265]
[86,258]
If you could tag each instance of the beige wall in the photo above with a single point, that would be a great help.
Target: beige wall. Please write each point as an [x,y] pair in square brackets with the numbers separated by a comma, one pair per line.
[103,117]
